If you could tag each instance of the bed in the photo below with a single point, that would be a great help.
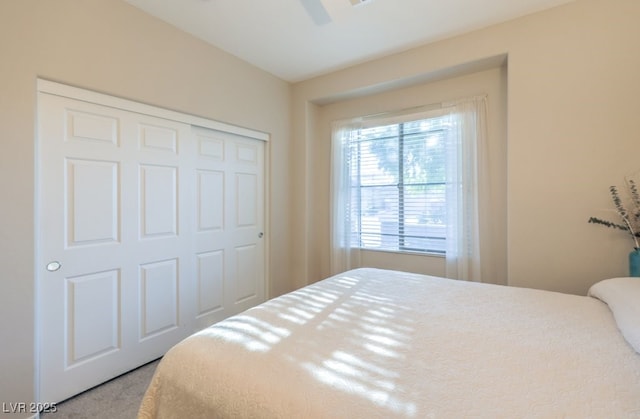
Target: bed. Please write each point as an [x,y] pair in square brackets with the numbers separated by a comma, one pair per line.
[376,343]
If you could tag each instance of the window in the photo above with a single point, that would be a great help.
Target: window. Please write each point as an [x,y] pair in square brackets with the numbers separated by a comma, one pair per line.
[398,189]
[410,183]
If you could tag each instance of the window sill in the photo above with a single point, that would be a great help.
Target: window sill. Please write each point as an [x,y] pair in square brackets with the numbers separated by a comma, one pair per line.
[404,252]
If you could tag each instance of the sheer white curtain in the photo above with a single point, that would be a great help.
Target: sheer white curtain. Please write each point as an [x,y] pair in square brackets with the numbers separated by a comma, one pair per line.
[466,151]
[344,255]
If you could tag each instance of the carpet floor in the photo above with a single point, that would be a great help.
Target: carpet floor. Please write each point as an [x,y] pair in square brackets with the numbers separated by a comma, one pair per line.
[118,398]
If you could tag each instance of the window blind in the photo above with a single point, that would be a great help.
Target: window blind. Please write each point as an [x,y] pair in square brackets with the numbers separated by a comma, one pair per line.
[398,185]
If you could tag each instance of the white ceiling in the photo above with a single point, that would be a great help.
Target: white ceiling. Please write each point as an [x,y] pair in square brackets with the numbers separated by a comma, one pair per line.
[299,39]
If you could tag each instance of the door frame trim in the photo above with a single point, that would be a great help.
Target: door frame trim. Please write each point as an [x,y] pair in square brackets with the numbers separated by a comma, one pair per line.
[59,89]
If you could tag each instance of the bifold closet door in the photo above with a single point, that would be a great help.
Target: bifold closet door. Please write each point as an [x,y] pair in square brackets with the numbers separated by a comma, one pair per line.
[229,224]
[142,238]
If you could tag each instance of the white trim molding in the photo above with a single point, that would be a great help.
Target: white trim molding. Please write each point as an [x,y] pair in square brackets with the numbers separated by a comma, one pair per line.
[59,89]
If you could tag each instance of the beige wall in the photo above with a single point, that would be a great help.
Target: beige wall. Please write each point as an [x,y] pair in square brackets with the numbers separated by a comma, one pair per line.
[111,47]
[572,89]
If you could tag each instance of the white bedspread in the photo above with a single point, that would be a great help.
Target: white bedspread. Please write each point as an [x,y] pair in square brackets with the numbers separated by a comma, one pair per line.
[378,344]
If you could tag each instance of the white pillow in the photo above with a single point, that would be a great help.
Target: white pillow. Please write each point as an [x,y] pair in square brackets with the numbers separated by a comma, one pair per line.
[622,295]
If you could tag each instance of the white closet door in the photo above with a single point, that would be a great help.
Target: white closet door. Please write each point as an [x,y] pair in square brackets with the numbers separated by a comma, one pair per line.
[230,221]
[124,269]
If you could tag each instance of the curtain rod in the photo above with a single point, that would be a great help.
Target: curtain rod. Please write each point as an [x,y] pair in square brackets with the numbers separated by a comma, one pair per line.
[422,108]
[404,111]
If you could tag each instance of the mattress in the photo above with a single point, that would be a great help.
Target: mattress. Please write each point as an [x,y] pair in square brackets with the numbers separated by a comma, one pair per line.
[375,343]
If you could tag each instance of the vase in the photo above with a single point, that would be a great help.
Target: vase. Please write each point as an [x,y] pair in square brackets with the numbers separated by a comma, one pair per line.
[634,263]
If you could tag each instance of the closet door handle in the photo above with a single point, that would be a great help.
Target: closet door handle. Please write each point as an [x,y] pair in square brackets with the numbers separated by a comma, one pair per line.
[53,266]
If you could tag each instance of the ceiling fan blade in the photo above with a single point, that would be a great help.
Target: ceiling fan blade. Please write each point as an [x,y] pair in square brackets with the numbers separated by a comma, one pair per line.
[316,11]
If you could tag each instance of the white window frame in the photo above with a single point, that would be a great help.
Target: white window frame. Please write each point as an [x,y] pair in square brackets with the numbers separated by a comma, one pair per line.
[466,152]
[424,239]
